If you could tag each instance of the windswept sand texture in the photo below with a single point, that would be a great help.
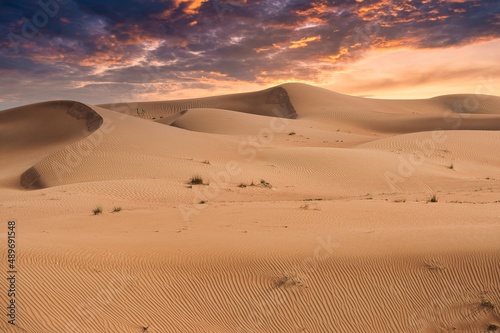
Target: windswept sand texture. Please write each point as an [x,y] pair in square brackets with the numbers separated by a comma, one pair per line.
[313,215]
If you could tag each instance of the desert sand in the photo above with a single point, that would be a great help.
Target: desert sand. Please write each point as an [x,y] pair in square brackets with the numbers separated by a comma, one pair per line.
[315,214]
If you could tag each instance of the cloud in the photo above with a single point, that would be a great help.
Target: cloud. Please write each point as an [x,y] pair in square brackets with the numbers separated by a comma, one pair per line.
[424,72]
[303,42]
[260,42]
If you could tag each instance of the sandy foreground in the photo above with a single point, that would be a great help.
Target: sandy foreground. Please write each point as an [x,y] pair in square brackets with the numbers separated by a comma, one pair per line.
[315,214]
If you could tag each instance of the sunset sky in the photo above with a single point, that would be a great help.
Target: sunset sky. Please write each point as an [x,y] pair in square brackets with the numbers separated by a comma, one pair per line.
[99,51]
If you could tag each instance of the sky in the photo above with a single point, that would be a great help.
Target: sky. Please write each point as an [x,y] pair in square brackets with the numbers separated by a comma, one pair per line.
[98,51]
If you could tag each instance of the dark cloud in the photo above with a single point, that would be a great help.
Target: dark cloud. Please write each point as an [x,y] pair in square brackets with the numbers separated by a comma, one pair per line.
[111,43]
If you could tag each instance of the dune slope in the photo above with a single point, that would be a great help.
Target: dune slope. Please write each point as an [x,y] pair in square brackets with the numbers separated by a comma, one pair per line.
[35,131]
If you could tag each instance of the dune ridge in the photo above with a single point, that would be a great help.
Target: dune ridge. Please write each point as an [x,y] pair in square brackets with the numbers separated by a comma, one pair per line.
[272,102]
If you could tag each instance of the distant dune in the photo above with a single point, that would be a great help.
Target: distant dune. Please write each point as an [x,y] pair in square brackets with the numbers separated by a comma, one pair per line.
[315,214]
[273,102]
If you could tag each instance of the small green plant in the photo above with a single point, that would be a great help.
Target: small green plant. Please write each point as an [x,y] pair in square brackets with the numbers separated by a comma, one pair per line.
[97,210]
[195,180]
[117,209]
[433,198]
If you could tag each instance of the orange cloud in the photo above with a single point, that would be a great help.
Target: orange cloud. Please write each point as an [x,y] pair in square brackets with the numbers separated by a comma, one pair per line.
[217,74]
[191,8]
[263,49]
[316,8]
[334,58]
[193,5]
[311,15]
[384,9]
[303,42]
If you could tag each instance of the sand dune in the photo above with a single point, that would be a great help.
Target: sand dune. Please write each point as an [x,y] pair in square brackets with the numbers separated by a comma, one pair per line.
[273,102]
[468,103]
[35,131]
[314,215]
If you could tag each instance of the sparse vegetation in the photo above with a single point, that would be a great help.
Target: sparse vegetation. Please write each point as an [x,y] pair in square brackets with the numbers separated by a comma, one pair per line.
[202,202]
[291,133]
[97,210]
[117,209]
[400,200]
[451,166]
[206,162]
[286,280]
[263,183]
[492,328]
[486,305]
[196,180]
[433,198]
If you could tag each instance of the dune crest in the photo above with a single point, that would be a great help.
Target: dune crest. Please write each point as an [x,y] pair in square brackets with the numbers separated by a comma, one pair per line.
[273,102]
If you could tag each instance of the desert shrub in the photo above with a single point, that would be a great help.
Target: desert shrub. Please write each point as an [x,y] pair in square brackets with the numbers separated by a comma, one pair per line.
[433,198]
[195,180]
